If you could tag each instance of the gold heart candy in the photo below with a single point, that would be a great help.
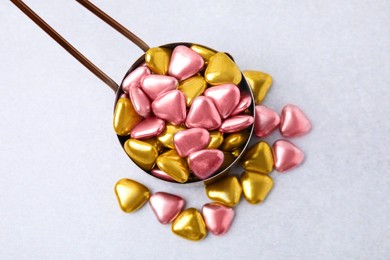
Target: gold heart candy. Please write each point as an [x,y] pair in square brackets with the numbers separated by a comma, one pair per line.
[226,191]
[259,82]
[206,53]
[125,117]
[258,159]
[256,186]
[173,165]
[157,60]
[192,88]
[166,137]
[216,139]
[222,70]
[142,153]
[131,195]
[234,141]
[190,225]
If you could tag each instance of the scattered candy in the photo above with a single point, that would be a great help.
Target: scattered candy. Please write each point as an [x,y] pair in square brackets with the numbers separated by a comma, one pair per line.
[131,195]
[258,158]
[166,206]
[293,122]
[192,88]
[236,124]
[142,153]
[157,59]
[286,155]
[170,106]
[134,78]
[184,63]
[204,163]
[222,70]
[226,191]
[125,117]
[155,85]
[234,141]
[204,114]
[225,98]
[205,122]
[245,102]
[256,186]
[148,128]
[191,140]
[175,166]
[266,120]
[217,217]
[190,225]
[259,82]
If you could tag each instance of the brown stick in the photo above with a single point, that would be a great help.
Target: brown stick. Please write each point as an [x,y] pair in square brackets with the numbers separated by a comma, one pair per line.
[72,50]
[114,24]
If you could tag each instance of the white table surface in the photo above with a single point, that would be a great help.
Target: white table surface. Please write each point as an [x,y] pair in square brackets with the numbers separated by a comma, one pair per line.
[59,157]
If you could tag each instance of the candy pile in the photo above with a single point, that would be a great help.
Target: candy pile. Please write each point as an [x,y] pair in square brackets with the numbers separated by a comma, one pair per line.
[185,116]
[184,120]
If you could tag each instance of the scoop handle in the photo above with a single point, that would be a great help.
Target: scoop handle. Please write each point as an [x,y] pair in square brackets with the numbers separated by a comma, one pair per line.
[71,49]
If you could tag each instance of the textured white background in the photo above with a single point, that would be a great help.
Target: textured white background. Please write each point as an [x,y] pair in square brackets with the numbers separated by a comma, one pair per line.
[59,157]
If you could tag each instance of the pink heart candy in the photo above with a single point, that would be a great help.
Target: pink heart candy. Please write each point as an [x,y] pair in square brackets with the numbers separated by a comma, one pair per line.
[166,206]
[191,140]
[140,101]
[245,102]
[286,155]
[217,217]
[266,120]
[184,63]
[134,78]
[225,97]
[293,122]
[161,175]
[203,114]
[155,85]
[171,106]
[236,124]
[148,128]
[204,163]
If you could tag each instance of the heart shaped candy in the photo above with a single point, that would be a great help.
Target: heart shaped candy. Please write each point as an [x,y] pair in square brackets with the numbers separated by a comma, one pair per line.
[293,122]
[190,225]
[245,102]
[157,59]
[226,191]
[166,206]
[217,217]
[173,165]
[204,163]
[148,128]
[236,124]
[266,120]
[155,85]
[222,70]
[204,114]
[140,101]
[131,195]
[286,155]
[191,140]
[171,106]
[259,82]
[184,63]
[225,97]
[256,186]
[142,153]
[134,78]
[258,158]
[125,117]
